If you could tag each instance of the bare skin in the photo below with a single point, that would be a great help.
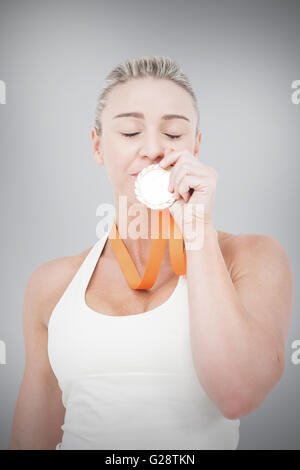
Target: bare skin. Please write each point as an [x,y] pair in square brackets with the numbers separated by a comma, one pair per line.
[263,283]
[103,296]
[39,412]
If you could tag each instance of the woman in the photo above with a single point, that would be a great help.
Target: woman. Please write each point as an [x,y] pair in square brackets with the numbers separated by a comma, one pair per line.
[174,366]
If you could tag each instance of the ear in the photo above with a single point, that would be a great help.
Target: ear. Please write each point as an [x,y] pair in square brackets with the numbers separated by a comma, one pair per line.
[97,150]
[197,146]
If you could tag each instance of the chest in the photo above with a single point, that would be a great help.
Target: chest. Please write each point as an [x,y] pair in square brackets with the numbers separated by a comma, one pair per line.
[111,298]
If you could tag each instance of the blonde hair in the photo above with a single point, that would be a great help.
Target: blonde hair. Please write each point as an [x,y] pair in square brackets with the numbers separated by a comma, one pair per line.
[146,66]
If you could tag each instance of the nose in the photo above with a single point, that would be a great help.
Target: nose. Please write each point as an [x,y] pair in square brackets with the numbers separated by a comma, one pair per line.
[154,155]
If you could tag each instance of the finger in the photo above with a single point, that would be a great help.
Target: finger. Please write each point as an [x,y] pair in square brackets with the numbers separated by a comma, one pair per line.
[182,191]
[190,182]
[176,179]
[183,188]
[185,196]
[170,158]
[186,168]
[181,168]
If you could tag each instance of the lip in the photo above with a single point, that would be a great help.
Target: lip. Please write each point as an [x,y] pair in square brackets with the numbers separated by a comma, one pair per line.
[135,174]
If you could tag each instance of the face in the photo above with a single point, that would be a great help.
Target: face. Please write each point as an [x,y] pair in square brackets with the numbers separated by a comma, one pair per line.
[130,143]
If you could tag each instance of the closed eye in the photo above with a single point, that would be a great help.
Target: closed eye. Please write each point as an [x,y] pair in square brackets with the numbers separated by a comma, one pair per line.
[169,135]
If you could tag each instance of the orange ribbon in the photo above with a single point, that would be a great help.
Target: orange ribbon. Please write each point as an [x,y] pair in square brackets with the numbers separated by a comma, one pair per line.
[176,251]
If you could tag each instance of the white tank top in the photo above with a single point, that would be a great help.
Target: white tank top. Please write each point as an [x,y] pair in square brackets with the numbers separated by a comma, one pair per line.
[128,382]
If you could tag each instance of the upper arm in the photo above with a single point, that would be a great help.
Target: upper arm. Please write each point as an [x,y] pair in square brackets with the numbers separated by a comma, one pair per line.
[39,411]
[263,280]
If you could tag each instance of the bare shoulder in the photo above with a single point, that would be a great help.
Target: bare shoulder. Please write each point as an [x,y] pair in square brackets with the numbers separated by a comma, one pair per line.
[251,247]
[48,282]
[256,253]
[222,236]
[262,276]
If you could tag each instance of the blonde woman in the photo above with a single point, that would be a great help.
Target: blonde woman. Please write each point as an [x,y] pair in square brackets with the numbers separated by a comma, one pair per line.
[174,366]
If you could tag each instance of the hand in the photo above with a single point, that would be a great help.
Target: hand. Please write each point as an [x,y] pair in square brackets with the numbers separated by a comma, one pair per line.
[194,184]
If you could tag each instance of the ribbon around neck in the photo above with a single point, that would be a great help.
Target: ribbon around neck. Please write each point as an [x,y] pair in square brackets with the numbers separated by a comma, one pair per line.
[176,251]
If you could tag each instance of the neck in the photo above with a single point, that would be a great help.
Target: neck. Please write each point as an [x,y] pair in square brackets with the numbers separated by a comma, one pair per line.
[137,232]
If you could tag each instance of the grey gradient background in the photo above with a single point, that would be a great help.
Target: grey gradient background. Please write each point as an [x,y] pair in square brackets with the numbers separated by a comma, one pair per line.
[241,58]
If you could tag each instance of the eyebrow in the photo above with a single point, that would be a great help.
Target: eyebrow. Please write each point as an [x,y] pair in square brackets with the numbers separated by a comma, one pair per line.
[141,116]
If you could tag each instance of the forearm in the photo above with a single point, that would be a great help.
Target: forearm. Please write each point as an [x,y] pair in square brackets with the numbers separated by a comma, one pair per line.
[235,360]
[30,441]
[13,446]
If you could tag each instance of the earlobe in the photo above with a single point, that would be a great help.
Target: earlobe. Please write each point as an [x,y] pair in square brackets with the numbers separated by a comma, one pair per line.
[96,146]
[93,133]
